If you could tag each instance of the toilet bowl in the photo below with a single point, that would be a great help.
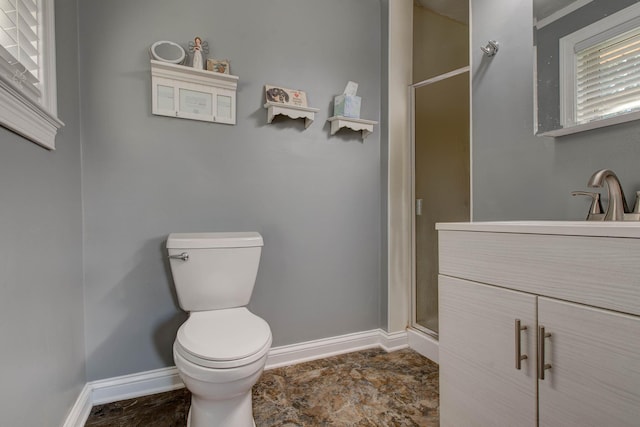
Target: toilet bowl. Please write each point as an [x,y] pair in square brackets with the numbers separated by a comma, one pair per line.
[220,352]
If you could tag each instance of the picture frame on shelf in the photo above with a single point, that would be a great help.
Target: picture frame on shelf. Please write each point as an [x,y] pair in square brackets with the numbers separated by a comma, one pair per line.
[218,65]
[281,95]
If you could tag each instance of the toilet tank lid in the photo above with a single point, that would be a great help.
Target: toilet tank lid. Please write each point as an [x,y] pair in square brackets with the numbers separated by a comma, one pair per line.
[214,240]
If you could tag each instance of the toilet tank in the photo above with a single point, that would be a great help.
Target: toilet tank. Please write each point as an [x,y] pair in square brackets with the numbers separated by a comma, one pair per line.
[213,271]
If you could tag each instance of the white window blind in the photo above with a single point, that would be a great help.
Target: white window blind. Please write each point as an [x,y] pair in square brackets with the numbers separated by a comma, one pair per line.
[28,104]
[21,44]
[608,77]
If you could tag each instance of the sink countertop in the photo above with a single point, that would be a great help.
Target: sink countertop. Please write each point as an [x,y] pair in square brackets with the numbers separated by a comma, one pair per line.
[629,229]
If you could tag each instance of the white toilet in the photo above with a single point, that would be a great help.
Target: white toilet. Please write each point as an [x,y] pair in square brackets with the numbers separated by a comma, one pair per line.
[221,350]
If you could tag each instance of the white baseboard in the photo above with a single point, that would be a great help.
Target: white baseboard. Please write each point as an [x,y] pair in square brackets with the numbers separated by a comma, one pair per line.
[319,349]
[167,379]
[135,385]
[424,344]
[81,409]
[392,341]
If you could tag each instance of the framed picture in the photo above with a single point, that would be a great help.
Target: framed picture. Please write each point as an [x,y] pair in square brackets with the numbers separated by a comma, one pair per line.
[281,95]
[218,65]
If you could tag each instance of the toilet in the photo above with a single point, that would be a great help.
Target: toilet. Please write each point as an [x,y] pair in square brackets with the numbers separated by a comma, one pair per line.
[221,350]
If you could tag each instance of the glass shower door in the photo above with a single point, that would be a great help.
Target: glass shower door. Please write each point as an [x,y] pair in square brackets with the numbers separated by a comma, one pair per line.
[441,180]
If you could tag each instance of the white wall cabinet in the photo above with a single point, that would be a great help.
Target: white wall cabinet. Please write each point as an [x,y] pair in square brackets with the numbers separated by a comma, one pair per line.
[189,93]
[493,275]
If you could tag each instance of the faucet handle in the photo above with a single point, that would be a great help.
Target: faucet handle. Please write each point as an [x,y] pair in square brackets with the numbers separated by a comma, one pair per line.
[596,207]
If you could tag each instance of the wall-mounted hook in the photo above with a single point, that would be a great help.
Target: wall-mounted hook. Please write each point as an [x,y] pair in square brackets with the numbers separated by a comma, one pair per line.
[491,48]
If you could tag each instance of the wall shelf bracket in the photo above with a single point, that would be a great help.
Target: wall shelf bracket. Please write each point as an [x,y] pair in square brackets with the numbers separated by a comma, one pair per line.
[291,111]
[339,122]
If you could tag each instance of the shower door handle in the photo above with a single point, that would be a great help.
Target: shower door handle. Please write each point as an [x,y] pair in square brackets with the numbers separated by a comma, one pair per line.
[418,207]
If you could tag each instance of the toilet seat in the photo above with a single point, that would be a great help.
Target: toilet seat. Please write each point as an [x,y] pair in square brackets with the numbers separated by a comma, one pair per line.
[223,338]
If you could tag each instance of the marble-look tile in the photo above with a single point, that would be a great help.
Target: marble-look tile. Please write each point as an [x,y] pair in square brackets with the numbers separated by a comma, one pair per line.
[168,409]
[365,388]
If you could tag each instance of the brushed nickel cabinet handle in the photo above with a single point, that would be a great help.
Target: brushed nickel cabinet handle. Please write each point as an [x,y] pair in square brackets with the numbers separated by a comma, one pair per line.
[542,366]
[519,356]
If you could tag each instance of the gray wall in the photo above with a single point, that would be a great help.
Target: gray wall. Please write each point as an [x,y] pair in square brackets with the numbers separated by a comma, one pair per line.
[517,175]
[315,198]
[41,309]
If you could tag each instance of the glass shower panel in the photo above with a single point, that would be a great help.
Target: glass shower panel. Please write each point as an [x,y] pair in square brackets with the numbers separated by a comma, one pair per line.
[442,193]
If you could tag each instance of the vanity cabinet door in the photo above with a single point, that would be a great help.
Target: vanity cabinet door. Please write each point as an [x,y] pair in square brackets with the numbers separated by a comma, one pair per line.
[479,383]
[594,378]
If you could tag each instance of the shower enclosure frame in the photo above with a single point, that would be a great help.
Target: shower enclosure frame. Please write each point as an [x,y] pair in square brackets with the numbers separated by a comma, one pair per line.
[412,128]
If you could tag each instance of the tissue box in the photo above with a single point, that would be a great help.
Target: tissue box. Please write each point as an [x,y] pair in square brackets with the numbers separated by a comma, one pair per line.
[347,106]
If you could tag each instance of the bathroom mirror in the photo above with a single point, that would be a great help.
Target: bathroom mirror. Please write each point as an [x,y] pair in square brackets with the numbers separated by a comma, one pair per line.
[566,33]
[167,51]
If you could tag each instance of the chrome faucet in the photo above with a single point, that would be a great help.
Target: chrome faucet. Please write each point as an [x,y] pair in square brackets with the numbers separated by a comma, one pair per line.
[617,205]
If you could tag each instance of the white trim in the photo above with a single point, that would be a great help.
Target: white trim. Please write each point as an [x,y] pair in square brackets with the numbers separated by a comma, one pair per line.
[596,124]
[26,117]
[424,344]
[135,385]
[50,93]
[319,349]
[393,341]
[607,27]
[36,120]
[121,388]
[167,379]
[81,409]
[400,53]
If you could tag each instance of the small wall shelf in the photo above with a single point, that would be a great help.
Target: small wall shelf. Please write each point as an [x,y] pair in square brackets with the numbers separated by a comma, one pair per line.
[339,122]
[188,93]
[292,111]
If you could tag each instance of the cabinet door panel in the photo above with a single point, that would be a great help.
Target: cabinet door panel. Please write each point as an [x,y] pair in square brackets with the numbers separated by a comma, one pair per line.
[594,378]
[479,384]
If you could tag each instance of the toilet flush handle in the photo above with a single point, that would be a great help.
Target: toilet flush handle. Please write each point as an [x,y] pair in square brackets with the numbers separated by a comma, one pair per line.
[183,256]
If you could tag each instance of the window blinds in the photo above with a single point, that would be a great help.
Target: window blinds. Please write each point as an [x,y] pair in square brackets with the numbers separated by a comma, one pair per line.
[608,77]
[20,42]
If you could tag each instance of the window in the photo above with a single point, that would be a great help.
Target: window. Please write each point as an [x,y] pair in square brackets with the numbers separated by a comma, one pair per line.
[27,70]
[608,77]
[600,71]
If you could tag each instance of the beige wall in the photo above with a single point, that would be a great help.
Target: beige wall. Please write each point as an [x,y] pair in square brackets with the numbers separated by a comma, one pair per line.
[399,163]
[440,44]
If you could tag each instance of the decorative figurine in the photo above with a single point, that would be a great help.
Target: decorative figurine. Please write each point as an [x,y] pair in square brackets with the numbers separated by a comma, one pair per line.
[198,47]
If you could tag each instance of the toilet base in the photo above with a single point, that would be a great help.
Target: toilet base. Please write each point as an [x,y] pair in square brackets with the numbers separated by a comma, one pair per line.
[236,412]
[189,420]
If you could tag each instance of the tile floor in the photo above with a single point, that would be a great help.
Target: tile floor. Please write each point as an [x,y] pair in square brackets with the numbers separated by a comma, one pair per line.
[365,388]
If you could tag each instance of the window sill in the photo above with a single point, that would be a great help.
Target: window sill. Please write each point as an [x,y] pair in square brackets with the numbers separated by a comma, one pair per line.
[610,121]
[25,117]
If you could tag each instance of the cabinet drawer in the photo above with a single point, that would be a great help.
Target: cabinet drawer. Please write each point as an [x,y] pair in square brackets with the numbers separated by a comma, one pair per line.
[572,268]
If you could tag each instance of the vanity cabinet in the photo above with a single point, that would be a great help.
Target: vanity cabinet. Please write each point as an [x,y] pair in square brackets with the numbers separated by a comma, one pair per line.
[581,286]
